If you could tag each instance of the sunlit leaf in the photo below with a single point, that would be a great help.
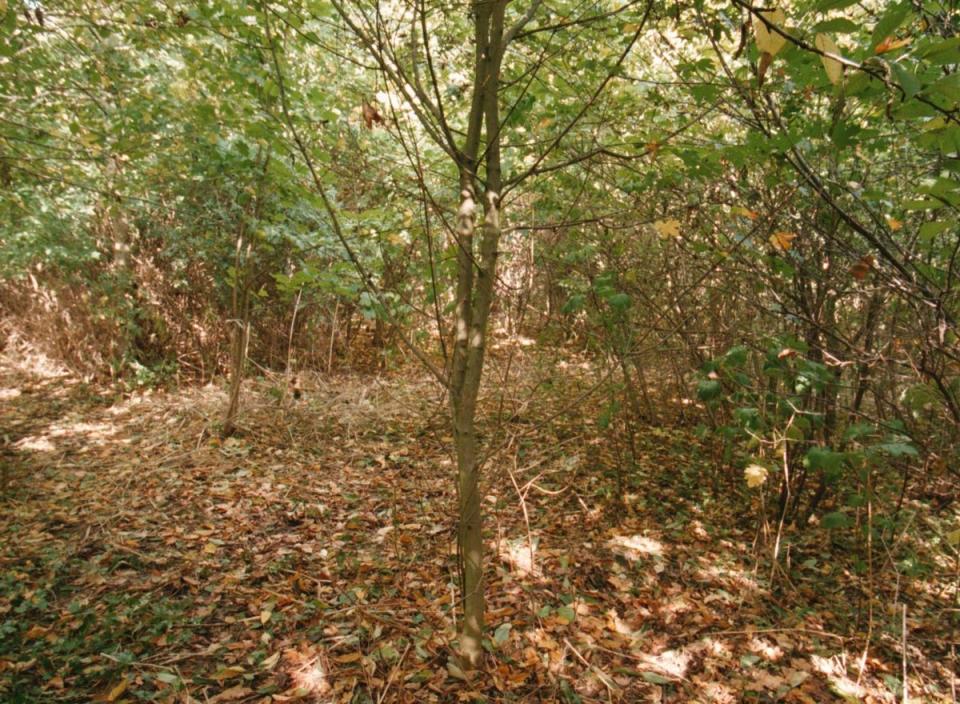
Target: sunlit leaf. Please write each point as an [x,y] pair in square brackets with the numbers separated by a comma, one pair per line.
[782,241]
[833,67]
[755,475]
[768,40]
[667,229]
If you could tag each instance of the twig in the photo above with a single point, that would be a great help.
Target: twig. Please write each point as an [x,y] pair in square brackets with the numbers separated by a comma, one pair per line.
[603,676]
[903,633]
[393,671]
[776,630]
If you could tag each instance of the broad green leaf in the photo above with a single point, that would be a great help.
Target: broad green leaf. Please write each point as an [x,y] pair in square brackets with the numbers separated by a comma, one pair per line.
[502,634]
[835,520]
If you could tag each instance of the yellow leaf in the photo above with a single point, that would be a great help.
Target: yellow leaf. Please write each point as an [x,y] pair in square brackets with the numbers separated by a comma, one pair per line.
[755,475]
[228,673]
[833,67]
[265,616]
[745,212]
[769,41]
[271,662]
[894,224]
[782,241]
[117,691]
[210,548]
[953,538]
[667,228]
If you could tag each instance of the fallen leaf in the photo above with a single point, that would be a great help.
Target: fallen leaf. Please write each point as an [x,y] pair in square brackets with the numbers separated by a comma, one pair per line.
[233,694]
[348,658]
[117,690]
[228,673]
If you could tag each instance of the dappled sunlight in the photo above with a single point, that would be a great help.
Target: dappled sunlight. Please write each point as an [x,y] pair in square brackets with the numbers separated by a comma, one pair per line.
[308,676]
[673,663]
[729,576]
[9,394]
[90,434]
[35,444]
[765,649]
[521,555]
[835,670]
[636,547]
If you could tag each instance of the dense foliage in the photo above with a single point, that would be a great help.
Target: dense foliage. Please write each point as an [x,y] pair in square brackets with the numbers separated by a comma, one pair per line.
[744,217]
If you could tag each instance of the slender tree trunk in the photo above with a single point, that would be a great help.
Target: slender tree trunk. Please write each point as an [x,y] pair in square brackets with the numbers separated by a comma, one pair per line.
[240,331]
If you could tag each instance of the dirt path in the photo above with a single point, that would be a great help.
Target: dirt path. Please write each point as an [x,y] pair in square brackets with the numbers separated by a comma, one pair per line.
[312,559]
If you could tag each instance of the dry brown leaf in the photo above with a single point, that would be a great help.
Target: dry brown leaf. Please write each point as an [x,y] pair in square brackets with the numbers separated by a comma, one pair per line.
[891,43]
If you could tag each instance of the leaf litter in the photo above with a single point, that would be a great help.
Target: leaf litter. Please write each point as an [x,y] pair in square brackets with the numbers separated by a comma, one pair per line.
[312,558]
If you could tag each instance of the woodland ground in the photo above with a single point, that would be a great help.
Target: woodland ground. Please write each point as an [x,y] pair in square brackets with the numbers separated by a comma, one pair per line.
[312,558]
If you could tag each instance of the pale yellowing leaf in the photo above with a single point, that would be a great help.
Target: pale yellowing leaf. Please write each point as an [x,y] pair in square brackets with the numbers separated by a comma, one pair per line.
[769,41]
[755,475]
[115,693]
[271,662]
[782,241]
[833,67]
[667,228]
[953,538]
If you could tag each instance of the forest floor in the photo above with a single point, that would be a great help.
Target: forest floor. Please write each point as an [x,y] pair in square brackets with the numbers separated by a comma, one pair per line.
[312,558]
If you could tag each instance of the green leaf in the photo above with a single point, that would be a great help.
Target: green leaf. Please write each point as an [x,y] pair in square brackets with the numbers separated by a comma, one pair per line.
[619,301]
[898,449]
[502,634]
[825,460]
[838,25]
[736,356]
[931,229]
[566,614]
[654,678]
[891,19]
[835,520]
[709,389]
[943,52]
[910,83]
[575,303]
[826,5]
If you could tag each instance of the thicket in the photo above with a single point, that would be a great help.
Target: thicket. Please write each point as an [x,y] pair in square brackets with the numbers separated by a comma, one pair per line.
[745,217]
